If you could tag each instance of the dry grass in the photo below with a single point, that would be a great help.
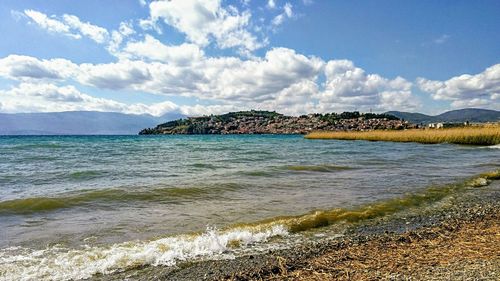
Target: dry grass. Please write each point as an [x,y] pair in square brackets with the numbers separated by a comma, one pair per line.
[439,253]
[487,135]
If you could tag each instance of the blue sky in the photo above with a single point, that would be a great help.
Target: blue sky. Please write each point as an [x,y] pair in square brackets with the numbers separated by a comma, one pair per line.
[212,56]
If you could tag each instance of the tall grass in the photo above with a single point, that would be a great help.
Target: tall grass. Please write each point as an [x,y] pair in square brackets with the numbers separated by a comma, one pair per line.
[466,135]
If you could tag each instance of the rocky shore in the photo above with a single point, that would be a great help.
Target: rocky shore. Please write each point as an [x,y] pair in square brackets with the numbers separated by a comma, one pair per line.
[453,240]
[266,122]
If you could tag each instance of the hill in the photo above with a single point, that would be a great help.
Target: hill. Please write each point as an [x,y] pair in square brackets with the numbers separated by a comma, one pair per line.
[77,123]
[454,116]
[266,122]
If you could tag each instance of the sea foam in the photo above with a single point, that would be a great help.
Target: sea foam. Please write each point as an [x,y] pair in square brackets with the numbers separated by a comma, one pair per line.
[59,263]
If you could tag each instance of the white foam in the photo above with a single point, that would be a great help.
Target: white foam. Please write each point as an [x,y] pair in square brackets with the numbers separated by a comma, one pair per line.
[57,263]
[496,146]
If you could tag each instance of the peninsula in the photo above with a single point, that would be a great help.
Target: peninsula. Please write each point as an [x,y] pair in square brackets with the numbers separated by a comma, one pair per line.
[270,122]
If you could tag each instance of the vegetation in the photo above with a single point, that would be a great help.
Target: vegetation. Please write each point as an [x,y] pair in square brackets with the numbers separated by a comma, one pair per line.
[332,117]
[485,135]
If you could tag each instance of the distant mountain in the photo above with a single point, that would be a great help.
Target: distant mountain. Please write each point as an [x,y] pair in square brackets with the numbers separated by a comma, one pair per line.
[415,118]
[460,115]
[78,123]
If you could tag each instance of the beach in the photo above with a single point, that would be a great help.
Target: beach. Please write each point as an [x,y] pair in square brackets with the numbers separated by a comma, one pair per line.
[459,240]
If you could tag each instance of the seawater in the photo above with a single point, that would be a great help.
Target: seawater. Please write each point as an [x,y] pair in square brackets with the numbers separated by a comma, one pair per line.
[74,206]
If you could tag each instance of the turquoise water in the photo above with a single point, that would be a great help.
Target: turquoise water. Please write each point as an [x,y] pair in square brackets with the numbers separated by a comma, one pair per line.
[61,196]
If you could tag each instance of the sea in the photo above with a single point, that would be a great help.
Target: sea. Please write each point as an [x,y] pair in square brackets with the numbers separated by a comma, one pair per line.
[75,206]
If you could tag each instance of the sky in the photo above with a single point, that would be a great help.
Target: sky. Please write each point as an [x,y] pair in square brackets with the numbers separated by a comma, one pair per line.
[199,57]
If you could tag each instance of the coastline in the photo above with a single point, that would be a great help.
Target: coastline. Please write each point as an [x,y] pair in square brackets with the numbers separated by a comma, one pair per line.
[479,135]
[447,240]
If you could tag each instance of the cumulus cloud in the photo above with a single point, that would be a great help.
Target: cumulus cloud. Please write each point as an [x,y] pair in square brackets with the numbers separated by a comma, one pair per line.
[46,97]
[205,20]
[257,79]
[25,67]
[115,76]
[208,78]
[152,49]
[467,90]
[351,87]
[282,80]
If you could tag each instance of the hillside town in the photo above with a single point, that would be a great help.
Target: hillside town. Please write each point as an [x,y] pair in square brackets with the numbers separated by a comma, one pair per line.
[266,122]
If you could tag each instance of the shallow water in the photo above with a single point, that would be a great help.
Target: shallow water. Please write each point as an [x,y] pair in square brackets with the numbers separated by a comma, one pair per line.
[112,202]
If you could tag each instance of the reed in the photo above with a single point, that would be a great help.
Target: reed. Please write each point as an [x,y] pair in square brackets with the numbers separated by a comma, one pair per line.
[480,135]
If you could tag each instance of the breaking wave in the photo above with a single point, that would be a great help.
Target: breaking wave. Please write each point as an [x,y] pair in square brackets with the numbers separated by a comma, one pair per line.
[58,263]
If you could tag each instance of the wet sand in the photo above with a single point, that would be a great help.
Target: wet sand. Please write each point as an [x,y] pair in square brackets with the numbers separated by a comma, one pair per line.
[455,240]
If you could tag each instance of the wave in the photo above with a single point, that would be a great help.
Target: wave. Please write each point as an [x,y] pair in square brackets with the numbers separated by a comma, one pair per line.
[205,166]
[317,168]
[256,173]
[30,146]
[321,218]
[58,263]
[295,168]
[85,175]
[112,195]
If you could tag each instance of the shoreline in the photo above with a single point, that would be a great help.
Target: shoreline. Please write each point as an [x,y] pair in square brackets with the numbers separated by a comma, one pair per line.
[457,239]
[484,136]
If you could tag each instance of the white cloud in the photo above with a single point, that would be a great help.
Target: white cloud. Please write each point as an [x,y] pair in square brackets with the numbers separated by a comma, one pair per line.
[282,80]
[349,87]
[50,24]
[288,10]
[199,110]
[43,97]
[257,79]
[205,20]
[287,13]
[46,97]
[271,4]
[126,29]
[117,37]
[115,76]
[153,49]
[70,25]
[94,32]
[26,67]
[296,99]
[481,89]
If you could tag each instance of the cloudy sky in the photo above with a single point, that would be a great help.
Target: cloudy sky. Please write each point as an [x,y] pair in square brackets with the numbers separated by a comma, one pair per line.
[212,56]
